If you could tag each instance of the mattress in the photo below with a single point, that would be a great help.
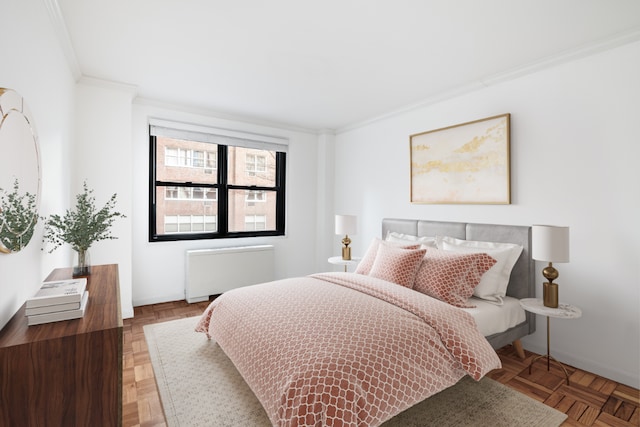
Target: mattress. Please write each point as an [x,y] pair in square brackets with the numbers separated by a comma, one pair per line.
[492,318]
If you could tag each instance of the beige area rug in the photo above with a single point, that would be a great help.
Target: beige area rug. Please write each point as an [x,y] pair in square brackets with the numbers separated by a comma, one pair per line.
[199,386]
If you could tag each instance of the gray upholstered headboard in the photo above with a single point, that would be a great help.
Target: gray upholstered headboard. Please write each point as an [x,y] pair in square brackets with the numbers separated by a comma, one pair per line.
[522,281]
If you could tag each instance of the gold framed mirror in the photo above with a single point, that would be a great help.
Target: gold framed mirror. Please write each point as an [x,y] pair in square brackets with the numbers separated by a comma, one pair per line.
[19,172]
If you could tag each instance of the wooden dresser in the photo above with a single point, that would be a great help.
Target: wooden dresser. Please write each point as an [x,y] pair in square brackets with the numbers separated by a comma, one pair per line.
[66,373]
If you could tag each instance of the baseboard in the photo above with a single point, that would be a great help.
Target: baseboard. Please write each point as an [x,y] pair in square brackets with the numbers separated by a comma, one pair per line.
[127,312]
[158,300]
[609,372]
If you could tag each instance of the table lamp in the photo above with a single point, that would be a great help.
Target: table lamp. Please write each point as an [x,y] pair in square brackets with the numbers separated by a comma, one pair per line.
[346,224]
[550,243]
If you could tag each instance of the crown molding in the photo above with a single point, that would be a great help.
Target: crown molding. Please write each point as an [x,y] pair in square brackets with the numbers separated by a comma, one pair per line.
[569,55]
[626,37]
[60,29]
[108,84]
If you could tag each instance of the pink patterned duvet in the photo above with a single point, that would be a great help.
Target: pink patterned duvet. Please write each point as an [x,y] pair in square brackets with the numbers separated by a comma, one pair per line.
[344,349]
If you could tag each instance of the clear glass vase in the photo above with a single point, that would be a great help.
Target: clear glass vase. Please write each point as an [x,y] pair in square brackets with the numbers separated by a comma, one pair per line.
[82,263]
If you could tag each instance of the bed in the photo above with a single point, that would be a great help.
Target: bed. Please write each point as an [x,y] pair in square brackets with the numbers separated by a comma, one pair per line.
[356,349]
[522,280]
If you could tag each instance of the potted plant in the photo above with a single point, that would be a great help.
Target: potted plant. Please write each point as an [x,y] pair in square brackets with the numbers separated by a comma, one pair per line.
[82,227]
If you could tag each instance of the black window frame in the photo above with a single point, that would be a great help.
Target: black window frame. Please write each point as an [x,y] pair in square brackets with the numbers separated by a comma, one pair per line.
[223,187]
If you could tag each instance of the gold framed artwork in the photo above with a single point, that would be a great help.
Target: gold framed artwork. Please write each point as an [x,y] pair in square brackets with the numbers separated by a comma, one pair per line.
[462,164]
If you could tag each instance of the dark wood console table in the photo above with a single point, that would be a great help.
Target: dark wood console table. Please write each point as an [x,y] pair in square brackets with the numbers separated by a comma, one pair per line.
[66,373]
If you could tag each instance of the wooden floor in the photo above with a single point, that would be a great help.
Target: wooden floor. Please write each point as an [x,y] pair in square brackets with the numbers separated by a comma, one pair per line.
[140,400]
[589,400]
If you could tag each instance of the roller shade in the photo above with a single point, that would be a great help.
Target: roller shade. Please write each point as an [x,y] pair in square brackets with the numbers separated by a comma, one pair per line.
[192,132]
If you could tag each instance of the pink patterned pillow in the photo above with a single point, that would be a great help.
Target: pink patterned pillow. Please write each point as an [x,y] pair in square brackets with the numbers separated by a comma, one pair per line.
[397,265]
[364,266]
[451,276]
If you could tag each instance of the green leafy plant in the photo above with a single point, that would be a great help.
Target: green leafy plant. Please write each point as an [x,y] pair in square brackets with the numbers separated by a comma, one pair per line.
[18,218]
[82,227]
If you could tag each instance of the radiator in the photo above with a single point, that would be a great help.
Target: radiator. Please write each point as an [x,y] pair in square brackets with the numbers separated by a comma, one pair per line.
[214,271]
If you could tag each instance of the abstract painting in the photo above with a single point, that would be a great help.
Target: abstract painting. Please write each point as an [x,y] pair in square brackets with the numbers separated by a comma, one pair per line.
[466,163]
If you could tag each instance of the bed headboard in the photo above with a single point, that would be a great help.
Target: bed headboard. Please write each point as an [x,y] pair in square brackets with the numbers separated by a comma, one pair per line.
[522,280]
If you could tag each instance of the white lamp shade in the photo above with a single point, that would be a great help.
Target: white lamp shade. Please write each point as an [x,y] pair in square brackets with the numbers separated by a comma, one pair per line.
[550,243]
[346,224]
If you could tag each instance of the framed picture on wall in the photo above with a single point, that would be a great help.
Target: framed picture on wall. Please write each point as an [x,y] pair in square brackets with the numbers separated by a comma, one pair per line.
[462,164]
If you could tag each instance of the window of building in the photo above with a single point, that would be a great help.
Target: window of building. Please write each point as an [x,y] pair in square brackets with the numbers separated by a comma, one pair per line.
[176,156]
[255,196]
[190,193]
[255,222]
[214,183]
[256,164]
[189,223]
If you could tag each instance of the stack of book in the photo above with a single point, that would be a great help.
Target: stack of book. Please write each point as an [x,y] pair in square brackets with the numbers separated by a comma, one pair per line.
[58,300]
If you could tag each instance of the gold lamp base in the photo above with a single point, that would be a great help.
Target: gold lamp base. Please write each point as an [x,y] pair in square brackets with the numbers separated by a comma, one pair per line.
[550,294]
[550,289]
[346,250]
[346,253]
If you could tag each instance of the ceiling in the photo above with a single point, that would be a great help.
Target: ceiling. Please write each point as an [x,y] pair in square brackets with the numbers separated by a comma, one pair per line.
[330,64]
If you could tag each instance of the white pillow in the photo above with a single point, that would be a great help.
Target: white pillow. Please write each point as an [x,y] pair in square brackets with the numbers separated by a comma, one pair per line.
[426,242]
[493,285]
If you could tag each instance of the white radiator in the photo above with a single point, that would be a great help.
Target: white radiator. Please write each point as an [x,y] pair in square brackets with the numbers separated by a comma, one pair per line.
[214,271]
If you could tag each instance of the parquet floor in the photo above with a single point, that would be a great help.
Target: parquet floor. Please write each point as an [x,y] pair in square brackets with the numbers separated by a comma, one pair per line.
[140,399]
[589,400]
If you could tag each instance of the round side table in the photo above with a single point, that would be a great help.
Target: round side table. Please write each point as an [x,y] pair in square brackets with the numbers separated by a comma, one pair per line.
[564,311]
[337,260]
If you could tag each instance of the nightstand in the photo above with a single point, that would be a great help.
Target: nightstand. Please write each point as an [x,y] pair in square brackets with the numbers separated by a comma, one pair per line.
[337,260]
[564,311]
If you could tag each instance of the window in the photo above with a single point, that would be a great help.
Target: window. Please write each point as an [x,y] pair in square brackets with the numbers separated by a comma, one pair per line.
[176,156]
[190,193]
[214,184]
[189,223]
[255,222]
[256,164]
[255,196]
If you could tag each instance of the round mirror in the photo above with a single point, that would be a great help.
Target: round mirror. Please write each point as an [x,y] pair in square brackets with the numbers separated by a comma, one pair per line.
[19,173]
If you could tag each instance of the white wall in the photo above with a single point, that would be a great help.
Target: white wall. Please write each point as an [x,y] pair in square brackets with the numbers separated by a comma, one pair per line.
[159,267]
[35,67]
[575,147]
[102,159]
[325,243]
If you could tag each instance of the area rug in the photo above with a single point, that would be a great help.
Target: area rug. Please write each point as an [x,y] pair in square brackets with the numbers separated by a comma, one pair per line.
[199,386]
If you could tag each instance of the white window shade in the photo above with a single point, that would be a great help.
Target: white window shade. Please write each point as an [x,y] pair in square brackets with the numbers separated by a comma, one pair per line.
[192,132]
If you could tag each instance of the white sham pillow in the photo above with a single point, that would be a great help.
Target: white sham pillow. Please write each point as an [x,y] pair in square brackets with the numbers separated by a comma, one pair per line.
[493,285]
[426,242]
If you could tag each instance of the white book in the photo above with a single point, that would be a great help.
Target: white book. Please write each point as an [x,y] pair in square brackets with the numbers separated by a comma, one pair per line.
[38,319]
[52,308]
[58,292]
